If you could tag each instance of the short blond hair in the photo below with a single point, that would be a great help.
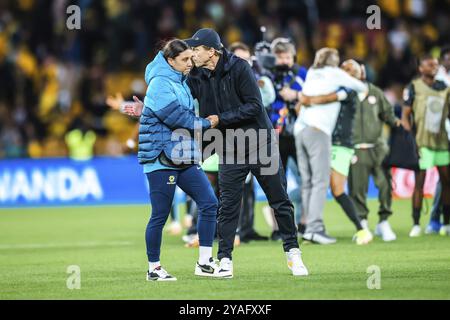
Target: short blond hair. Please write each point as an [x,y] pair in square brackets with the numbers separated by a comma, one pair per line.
[326,57]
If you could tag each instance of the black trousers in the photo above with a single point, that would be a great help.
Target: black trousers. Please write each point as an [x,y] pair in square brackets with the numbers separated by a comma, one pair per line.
[287,149]
[231,184]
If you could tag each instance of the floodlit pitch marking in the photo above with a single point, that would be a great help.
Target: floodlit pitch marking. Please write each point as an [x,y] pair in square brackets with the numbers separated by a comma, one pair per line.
[64,245]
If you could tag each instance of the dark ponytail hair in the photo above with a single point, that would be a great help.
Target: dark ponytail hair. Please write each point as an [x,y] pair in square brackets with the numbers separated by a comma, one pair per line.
[173,48]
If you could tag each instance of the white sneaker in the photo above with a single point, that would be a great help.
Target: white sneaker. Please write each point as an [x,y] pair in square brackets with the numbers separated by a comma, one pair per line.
[384,231]
[362,237]
[295,263]
[445,231]
[188,238]
[159,274]
[187,221]
[319,238]
[416,231]
[209,269]
[365,224]
[191,241]
[225,268]
[175,228]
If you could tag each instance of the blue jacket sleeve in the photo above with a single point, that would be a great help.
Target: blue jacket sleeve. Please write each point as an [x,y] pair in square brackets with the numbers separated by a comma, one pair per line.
[249,92]
[169,111]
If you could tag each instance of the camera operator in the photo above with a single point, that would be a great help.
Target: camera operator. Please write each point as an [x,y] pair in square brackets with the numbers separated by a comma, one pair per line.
[288,78]
[262,75]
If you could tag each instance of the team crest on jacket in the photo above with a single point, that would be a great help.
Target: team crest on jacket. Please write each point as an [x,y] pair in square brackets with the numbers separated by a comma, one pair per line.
[171,180]
[372,99]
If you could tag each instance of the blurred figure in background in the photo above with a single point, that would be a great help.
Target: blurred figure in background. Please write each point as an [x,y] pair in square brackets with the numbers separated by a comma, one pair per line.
[288,80]
[443,75]
[117,103]
[342,150]
[313,132]
[425,111]
[80,141]
[370,150]
[296,197]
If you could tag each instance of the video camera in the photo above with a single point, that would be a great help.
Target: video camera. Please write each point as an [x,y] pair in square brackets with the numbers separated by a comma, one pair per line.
[263,53]
[266,60]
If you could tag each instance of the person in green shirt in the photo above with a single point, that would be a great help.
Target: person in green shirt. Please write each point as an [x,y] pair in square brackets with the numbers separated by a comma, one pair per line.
[426,108]
[80,144]
[371,148]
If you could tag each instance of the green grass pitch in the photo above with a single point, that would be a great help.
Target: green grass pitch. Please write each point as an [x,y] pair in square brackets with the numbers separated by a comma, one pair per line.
[107,243]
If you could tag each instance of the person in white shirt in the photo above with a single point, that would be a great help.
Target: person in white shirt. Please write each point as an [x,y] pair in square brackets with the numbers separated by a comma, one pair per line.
[313,131]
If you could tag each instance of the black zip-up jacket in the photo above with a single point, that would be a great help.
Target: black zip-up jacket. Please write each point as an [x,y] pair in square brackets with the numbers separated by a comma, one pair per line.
[231,92]
[343,131]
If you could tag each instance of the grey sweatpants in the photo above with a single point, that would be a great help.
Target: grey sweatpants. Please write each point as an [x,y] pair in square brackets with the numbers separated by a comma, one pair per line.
[314,161]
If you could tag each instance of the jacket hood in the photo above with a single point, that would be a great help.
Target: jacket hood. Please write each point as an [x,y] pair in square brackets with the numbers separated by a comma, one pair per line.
[160,68]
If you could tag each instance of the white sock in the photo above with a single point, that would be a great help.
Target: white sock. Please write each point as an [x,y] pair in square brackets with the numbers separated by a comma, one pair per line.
[153,265]
[205,253]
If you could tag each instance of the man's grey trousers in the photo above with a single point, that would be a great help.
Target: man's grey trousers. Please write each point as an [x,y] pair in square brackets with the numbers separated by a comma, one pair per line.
[314,161]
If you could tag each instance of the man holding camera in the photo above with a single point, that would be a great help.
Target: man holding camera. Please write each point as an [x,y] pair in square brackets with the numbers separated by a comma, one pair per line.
[288,78]
[288,81]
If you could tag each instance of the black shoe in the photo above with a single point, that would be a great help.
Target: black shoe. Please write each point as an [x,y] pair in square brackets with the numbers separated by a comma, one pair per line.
[276,236]
[301,229]
[257,237]
[254,236]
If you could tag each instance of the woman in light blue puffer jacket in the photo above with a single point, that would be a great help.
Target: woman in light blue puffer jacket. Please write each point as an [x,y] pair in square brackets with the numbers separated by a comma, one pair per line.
[168,110]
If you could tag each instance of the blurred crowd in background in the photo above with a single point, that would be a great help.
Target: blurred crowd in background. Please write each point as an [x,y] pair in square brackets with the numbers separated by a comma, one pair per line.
[54,80]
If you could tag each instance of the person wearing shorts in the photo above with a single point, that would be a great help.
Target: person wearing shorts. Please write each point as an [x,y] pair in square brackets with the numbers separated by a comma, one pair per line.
[341,159]
[426,108]
[331,114]
[342,154]
[342,151]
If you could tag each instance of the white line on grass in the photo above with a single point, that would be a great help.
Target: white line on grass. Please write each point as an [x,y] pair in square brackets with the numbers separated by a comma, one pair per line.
[64,245]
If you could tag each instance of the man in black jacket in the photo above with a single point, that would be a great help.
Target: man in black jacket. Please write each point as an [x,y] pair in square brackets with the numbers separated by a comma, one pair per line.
[227,92]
